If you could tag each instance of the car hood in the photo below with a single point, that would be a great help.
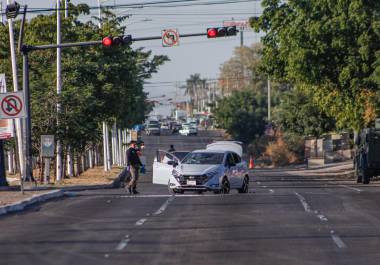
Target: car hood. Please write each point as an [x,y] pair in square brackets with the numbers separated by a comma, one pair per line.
[193,169]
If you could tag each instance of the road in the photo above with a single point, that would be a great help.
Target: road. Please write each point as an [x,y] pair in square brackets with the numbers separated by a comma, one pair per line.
[282,220]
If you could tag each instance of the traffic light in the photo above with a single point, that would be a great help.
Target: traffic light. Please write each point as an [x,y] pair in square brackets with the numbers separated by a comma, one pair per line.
[116,41]
[221,32]
[12,10]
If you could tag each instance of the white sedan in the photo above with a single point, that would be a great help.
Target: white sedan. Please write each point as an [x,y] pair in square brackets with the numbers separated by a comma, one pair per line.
[218,168]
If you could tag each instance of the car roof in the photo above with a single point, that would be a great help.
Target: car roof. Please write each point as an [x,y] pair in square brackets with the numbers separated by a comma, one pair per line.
[209,151]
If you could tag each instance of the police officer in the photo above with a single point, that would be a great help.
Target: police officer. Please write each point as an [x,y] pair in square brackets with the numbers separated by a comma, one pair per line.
[134,164]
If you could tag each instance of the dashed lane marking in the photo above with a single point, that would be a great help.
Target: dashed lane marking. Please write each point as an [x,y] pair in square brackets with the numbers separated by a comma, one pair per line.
[141,221]
[303,201]
[164,206]
[123,243]
[322,217]
[337,240]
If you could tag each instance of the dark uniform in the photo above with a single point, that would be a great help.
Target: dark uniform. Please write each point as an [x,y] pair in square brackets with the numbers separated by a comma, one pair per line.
[134,163]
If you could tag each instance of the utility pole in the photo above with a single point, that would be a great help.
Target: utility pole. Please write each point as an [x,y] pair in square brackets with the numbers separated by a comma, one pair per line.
[1,9]
[59,91]
[66,9]
[269,103]
[241,37]
[15,88]
[100,14]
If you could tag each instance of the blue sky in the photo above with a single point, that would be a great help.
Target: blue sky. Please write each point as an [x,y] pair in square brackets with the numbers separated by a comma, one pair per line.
[193,55]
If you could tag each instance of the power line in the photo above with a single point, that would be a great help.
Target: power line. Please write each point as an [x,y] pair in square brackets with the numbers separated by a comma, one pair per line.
[158,4]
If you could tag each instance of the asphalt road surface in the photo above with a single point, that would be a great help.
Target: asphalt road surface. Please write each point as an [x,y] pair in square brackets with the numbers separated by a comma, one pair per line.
[282,220]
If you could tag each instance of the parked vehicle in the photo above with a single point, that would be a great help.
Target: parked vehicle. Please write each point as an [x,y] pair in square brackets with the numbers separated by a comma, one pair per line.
[218,168]
[367,155]
[153,128]
[187,130]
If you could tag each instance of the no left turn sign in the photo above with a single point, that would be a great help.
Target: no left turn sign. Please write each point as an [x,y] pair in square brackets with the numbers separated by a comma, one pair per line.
[12,105]
[170,37]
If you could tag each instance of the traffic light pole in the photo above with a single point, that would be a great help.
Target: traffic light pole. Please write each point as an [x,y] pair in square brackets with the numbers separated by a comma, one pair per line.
[25,49]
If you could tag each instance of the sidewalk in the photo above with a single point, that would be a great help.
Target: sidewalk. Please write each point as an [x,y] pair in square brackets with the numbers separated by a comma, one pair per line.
[341,170]
[11,198]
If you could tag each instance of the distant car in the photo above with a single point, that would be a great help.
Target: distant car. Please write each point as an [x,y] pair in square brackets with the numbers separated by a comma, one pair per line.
[218,168]
[187,130]
[152,129]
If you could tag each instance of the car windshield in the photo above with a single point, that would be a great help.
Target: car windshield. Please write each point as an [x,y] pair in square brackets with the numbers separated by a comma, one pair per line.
[204,158]
[180,154]
[153,126]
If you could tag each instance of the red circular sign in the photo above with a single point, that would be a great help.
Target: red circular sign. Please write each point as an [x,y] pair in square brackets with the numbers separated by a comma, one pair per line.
[170,37]
[11,105]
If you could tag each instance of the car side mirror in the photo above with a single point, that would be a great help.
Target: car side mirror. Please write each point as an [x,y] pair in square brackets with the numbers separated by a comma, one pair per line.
[172,163]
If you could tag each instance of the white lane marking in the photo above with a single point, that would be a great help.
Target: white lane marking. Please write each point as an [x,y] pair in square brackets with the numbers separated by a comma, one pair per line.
[351,188]
[141,221]
[163,207]
[337,240]
[259,182]
[322,217]
[123,243]
[303,201]
[271,191]
[182,195]
[264,187]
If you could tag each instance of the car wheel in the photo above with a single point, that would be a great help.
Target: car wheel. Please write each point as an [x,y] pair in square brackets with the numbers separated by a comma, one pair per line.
[225,186]
[244,187]
[359,177]
[366,178]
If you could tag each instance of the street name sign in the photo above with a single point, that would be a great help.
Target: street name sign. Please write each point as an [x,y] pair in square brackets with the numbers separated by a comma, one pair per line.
[47,145]
[170,37]
[237,23]
[12,105]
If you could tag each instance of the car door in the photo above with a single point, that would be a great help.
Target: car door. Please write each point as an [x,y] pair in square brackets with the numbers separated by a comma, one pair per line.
[163,167]
[231,170]
[239,170]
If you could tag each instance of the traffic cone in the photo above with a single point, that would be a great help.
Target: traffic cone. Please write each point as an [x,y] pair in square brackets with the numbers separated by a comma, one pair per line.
[251,163]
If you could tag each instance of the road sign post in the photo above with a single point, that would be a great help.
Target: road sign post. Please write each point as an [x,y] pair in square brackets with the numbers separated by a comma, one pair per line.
[47,152]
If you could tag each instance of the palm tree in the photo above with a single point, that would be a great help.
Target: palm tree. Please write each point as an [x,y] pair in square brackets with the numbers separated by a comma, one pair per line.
[196,90]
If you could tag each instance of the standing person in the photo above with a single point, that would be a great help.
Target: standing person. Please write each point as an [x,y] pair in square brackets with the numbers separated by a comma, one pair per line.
[171,149]
[134,164]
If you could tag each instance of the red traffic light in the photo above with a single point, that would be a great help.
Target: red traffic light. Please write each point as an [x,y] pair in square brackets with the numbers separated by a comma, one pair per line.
[107,41]
[221,32]
[212,33]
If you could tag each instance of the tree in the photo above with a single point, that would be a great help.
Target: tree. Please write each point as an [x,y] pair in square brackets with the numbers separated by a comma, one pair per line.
[298,114]
[327,48]
[195,89]
[242,71]
[99,83]
[242,115]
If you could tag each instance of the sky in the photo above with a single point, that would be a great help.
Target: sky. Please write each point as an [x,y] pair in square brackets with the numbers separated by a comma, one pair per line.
[193,55]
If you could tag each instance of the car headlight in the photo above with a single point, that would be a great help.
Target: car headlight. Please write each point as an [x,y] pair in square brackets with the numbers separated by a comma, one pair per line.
[176,174]
[210,175]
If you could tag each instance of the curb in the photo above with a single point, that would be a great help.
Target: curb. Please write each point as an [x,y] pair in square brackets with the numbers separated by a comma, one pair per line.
[38,198]
[21,205]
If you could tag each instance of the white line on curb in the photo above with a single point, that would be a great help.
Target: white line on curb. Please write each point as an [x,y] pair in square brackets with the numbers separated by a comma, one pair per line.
[141,221]
[351,188]
[303,201]
[163,207]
